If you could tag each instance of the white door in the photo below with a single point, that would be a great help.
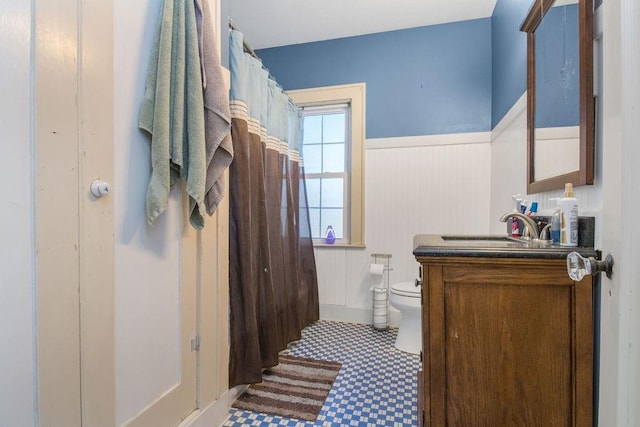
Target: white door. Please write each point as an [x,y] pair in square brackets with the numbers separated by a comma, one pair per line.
[70,96]
[620,321]
[116,299]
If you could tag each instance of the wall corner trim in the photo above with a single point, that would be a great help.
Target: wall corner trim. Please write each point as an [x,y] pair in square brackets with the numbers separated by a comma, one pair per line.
[518,108]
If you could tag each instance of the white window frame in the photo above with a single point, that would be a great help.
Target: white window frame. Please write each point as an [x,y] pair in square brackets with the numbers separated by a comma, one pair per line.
[355,96]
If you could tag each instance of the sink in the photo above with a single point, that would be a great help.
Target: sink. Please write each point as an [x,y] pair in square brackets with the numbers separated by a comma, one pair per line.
[471,239]
[487,238]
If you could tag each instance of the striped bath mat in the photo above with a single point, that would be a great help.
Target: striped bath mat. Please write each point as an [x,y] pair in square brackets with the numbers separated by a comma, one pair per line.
[295,388]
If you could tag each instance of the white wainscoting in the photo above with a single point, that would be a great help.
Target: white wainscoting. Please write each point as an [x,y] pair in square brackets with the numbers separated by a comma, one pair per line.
[509,162]
[415,185]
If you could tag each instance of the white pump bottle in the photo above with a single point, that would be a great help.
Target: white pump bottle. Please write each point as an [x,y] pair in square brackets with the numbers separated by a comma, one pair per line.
[568,217]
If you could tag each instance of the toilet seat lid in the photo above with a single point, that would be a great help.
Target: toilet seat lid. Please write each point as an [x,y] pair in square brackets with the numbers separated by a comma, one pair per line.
[407,289]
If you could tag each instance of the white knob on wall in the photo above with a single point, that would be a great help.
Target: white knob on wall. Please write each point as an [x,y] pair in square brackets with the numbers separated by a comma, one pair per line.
[100,188]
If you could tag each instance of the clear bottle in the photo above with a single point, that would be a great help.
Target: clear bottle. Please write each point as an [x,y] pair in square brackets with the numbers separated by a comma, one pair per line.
[556,225]
[329,236]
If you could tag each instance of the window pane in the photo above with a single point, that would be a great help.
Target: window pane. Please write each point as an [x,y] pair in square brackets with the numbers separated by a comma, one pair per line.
[333,217]
[313,192]
[332,193]
[333,158]
[314,221]
[312,129]
[333,128]
[311,155]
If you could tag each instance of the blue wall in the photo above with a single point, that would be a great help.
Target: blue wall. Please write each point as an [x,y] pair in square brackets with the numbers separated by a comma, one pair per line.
[421,81]
[509,62]
[450,78]
[557,97]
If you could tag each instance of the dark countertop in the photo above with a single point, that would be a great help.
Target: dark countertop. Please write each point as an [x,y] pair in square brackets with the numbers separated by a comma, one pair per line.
[491,246]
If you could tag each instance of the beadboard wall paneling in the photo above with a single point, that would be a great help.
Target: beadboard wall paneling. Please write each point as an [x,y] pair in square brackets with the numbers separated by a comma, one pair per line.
[331,266]
[509,162]
[409,190]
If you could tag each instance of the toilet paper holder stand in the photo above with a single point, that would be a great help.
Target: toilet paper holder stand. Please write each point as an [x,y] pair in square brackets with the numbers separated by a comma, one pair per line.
[381,306]
[384,259]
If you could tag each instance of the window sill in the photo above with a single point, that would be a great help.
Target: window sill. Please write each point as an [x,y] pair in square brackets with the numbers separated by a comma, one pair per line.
[339,245]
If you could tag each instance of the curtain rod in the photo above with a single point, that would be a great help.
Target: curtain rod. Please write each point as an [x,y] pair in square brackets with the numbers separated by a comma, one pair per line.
[251,52]
[245,45]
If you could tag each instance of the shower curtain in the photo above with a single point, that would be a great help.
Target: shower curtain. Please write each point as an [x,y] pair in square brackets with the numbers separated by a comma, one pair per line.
[273,290]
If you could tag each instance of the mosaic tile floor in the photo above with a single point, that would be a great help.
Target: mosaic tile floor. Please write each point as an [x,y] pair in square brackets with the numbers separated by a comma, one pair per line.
[375,387]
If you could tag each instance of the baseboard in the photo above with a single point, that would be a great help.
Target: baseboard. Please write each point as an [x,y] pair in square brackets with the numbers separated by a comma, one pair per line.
[363,316]
[216,413]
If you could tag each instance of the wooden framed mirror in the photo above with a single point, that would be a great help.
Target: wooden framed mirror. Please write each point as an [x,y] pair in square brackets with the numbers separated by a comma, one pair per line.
[560,104]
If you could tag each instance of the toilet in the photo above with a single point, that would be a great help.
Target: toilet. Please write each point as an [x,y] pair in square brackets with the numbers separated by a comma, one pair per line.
[405,297]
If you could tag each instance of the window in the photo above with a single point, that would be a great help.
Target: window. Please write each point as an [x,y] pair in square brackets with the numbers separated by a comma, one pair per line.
[333,155]
[326,151]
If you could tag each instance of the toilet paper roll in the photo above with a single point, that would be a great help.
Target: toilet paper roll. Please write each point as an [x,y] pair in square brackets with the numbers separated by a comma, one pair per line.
[380,322]
[376,270]
[379,294]
[376,273]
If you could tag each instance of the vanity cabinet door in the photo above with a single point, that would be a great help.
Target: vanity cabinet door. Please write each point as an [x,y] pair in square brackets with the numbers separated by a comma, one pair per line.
[508,344]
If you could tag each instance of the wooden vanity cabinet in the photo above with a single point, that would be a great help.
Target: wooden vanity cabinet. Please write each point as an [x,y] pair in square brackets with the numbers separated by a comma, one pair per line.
[506,342]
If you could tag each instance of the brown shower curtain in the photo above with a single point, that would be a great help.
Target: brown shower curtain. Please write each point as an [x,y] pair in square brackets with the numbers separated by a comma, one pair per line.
[273,286]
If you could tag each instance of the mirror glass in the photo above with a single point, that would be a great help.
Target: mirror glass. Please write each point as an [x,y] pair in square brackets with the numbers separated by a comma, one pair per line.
[560,94]
[557,118]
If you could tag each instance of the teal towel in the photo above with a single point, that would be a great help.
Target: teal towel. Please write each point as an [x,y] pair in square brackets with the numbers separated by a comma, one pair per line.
[219,148]
[172,112]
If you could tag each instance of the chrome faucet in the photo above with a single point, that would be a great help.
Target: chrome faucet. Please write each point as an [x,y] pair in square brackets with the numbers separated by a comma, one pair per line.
[544,233]
[530,224]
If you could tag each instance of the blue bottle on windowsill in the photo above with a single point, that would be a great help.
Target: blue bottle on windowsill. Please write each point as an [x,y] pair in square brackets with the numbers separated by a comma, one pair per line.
[329,236]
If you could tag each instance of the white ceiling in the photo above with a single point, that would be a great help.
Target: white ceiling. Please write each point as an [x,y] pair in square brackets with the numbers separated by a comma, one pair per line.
[270,23]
